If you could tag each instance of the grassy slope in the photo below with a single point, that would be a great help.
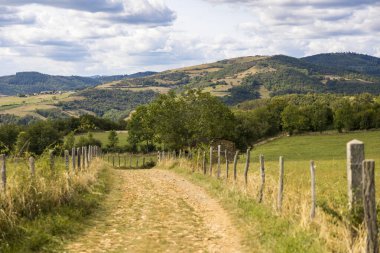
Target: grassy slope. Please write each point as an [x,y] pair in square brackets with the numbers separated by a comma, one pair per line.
[287,232]
[261,229]
[47,232]
[103,137]
[22,106]
[319,147]
[328,152]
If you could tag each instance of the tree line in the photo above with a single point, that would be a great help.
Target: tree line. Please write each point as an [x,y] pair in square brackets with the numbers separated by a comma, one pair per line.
[40,135]
[193,118]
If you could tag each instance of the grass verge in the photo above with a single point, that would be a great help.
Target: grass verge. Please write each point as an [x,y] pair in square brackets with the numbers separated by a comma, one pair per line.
[262,229]
[47,231]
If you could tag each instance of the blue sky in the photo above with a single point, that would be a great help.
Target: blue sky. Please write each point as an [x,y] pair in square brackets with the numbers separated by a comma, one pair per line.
[91,37]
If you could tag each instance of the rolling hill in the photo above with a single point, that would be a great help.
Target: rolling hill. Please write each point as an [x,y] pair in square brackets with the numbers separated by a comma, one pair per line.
[35,82]
[245,78]
[233,80]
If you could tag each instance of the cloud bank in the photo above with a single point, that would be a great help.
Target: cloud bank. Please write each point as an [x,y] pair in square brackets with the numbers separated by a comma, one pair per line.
[87,37]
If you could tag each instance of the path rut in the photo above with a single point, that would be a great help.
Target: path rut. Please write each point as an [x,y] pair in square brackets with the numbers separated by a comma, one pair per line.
[157,211]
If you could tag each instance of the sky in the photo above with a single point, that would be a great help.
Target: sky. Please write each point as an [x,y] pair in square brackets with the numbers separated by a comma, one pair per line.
[106,37]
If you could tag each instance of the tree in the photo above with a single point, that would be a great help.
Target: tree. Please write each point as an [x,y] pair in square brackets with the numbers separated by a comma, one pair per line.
[320,116]
[40,136]
[185,120]
[343,116]
[8,137]
[89,140]
[69,141]
[113,139]
[294,119]
[140,128]
[22,143]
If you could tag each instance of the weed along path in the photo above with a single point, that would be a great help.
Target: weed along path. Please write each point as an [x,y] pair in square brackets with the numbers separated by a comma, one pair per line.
[157,211]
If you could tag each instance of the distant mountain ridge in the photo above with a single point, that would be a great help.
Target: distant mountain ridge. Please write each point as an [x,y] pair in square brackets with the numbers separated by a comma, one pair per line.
[35,82]
[252,77]
[360,63]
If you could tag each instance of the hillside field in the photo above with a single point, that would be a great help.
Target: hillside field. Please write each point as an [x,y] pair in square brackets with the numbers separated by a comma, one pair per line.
[329,154]
[103,137]
[22,106]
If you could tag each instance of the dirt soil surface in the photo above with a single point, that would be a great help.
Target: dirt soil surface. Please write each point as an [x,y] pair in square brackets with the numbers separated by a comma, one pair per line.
[157,211]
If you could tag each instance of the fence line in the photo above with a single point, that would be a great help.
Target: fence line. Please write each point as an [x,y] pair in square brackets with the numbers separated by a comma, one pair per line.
[361,185]
[77,161]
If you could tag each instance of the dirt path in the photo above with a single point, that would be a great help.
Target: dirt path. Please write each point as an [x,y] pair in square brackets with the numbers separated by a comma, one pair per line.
[158,211]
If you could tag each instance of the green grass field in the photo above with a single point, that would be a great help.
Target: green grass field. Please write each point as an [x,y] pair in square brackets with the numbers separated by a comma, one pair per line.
[319,147]
[103,137]
[22,106]
[329,154]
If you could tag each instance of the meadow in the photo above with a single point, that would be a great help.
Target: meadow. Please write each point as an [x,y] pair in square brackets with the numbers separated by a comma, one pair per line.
[103,137]
[39,210]
[22,106]
[328,151]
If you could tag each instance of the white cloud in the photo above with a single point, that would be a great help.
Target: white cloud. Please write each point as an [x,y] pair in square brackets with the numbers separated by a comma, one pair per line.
[124,36]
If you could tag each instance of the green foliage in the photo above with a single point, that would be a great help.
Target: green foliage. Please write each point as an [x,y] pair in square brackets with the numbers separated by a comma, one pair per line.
[8,137]
[69,141]
[34,82]
[113,140]
[349,61]
[89,140]
[247,91]
[37,137]
[140,128]
[57,218]
[176,121]
[52,113]
[304,113]
[108,102]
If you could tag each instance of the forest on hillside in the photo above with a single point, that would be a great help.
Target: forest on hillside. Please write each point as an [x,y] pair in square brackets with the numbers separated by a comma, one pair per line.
[196,118]
[111,104]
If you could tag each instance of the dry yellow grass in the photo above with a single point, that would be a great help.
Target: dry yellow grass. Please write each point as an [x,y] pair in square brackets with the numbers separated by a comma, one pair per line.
[331,221]
[26,106]
[27,196]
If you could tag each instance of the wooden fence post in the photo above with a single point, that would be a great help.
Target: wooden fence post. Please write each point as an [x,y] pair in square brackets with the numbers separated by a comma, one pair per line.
[210,170]
[113,160]
[84,154]
[3,173]
[369,197]
[247,167]
[226,158]
[313,194]
[218,171]
[262,173]
[235,164]
[51,159]
[198,156]
[130,159]
[125,161]
[137,162]
[355,158]
[204,163]
[32,167]
[67,160]
[85,157]
[118,157]
[144,161]
[79,157]
[88,156]
[281,185]
[73,158]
